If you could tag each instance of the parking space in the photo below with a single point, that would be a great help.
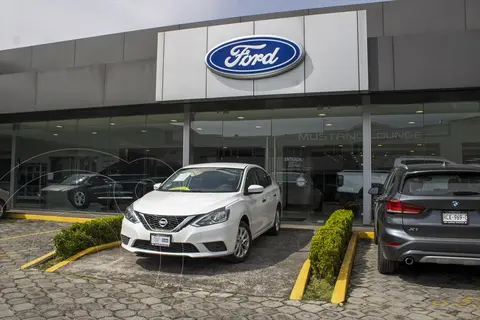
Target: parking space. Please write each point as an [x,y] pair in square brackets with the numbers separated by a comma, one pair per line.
[270,271]
[25,240]
[418,292]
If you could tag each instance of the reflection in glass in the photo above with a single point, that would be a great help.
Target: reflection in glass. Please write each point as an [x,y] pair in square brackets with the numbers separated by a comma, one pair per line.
[97,164]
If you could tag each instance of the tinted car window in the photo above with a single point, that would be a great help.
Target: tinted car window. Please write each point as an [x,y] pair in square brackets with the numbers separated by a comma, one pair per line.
[263,178]
[251,178]
[445,183]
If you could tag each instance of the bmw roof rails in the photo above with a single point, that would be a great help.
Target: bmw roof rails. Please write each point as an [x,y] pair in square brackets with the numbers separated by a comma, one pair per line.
[402,165]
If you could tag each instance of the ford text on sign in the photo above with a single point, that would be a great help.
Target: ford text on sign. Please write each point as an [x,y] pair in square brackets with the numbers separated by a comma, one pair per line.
[254,57]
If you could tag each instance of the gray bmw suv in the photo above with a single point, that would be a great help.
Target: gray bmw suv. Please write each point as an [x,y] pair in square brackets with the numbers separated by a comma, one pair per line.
[428,214]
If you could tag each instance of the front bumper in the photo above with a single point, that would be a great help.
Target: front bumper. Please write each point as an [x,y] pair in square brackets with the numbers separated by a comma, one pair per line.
[195,242]
[430,250]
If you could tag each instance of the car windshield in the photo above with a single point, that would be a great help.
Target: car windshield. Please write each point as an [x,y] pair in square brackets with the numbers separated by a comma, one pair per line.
[444,183]
[212,180]
[74,179]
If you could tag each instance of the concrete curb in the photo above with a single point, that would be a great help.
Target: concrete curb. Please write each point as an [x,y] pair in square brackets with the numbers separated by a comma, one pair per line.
[27,216]
[341,286]
[301,283]
[83,253]
[366,235]
[38,260]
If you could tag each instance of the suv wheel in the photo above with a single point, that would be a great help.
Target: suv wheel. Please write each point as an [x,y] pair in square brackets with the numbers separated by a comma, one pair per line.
[3,209]
[243,244]
[385,266]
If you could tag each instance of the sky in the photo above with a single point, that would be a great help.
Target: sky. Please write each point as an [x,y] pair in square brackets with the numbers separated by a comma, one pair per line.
[32,22]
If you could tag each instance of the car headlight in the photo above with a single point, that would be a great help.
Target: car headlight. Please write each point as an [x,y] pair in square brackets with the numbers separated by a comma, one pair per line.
[130,215]
[214,217]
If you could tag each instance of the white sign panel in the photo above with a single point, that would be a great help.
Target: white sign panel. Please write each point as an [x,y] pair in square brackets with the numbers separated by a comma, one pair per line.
[329,49]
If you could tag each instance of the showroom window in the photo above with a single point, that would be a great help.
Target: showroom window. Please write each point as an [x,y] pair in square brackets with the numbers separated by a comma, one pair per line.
[95,164]
[303,149]
[6,131]
[421,133]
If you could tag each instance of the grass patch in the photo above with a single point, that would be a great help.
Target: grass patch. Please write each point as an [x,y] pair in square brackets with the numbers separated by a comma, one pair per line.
[318,289]
[326,254]
[47,264]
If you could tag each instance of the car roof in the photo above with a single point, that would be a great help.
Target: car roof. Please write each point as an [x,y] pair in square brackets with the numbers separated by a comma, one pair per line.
[229,165]
[422,157]
[441,167]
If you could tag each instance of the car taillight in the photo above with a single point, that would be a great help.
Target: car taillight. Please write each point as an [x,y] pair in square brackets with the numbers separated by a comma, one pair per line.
[396,206]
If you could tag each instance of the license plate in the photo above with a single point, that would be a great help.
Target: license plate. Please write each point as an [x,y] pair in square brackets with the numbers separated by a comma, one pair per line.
[455,218]
[160,240]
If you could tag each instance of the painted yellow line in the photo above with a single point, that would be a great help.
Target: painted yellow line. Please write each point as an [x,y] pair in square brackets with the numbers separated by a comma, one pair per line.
[341,286]
[301,283]
[83,253]
[27,216]
[38,260]
[29,235]
[366,235]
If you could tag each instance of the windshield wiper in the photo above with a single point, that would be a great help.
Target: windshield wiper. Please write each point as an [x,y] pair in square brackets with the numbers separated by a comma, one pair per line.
[466,193]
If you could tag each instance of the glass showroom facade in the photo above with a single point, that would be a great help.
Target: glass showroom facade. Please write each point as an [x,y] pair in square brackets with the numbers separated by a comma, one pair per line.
[115,160]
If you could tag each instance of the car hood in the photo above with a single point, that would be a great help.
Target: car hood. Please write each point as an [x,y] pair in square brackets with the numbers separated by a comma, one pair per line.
[59,187]
[182,203]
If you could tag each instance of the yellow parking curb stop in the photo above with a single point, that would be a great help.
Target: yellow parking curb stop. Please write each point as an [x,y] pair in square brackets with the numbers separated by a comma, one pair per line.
[27,216]
[83,253]
[38,260]
[341,286]
[301,283]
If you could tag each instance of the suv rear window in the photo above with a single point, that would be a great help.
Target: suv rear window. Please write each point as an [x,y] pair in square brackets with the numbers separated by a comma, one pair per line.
[443,183]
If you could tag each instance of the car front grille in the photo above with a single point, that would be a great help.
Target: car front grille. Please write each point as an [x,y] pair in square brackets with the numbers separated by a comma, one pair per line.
[157,222]
[174,247]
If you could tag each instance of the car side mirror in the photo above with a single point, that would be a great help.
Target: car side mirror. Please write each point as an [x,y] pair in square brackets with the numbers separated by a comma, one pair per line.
[157,186]
[255,189]
[374,191]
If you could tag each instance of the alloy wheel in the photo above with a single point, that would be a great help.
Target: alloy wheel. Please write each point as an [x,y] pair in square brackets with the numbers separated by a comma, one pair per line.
[243,243]
[79,198]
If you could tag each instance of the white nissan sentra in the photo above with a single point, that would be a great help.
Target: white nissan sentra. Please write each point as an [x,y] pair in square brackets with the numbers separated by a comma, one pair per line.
[205,210]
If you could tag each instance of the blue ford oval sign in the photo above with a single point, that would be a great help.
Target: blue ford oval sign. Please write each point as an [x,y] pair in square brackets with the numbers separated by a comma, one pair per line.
[254,57]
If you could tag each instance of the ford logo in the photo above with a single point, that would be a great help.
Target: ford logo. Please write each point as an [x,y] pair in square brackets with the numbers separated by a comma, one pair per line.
[254,57]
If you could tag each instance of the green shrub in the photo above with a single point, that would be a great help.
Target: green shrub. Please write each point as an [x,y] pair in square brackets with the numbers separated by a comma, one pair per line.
[80,236]
[329,244]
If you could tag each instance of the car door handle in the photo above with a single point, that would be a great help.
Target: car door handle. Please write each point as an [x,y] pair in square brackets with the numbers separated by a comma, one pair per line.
[275,195]
[264,200]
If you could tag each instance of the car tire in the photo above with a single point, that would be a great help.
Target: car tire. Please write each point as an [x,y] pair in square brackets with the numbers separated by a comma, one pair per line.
[3,209]
[320,205]
[385,266]
[79,199]
[244,240]
[275,230]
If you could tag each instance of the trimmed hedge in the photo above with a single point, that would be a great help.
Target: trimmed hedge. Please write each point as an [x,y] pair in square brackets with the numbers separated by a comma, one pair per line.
[81,236]
[329,244]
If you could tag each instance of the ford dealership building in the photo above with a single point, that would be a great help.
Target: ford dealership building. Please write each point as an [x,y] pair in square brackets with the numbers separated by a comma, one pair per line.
[315,93]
